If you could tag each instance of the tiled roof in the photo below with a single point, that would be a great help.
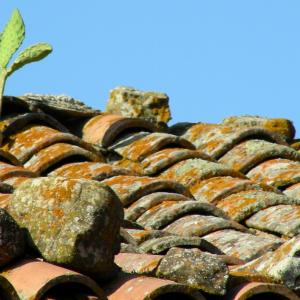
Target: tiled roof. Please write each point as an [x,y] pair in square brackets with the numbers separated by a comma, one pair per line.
[119,206]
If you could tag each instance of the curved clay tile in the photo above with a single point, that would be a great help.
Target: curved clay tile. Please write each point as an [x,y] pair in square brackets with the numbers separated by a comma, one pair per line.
[215,140]
[15,181]
[161,244]
[280,266]
[242,205]
[167,212]
[33,138]
[200,225]
[261,290]
[9,171]
[153,142]
[191,171]
[89,170]
[142,235]
[138,263]
[133,166]
[293,191]
[13,125]
[215,189]
[163,159]
[5,200]
[242,245]
[133,287]
[7,157]
[282,127]
[32,279]
[131,188]
[249,154]
[51,155]
[295,144]
[280,219]
[137,208]
[104,129]
[276,172]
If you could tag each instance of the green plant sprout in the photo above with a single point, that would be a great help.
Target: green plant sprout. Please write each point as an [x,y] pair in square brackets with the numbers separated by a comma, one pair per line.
[10,41]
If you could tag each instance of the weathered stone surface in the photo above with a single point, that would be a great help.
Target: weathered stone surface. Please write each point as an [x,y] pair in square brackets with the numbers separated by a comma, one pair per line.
[196,269]
[284,127]
[281,266]
[70,221]
[58,104]
[134,103]
[12,241]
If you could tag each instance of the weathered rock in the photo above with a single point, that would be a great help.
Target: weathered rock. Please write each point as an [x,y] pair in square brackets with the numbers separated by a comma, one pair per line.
[12,241]
[284,127]
[130,102]
[195,268]
[73,222]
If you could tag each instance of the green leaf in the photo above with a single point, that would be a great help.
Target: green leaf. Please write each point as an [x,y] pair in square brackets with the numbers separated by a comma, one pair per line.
[31,54]
[11,37]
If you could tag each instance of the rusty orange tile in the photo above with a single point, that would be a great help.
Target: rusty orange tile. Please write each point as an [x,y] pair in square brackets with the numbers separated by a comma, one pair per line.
[191,171]
[249,154]
[215,140]
[53,154]
[163,159]
[216,188]
[105,128]
[133,287]
[145,146]
[89,170]
[277,172]
[8,171]
[131,188]
[244,204]
[13,125]
[33,138]
[143,264]
[32,279]
[279,219]
[261,290]
[140,206]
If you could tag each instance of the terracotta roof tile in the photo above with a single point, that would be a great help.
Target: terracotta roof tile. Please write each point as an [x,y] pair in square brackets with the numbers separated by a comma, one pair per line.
[172,196]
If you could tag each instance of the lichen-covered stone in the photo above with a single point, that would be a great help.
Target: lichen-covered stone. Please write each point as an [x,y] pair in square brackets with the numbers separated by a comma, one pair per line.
[130,102]
[284,127]
[12,241]
[195,268]
[73,222]
[58,104]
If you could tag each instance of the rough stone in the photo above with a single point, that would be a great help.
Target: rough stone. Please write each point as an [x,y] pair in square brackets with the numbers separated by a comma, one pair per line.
[12,241]
[195,268]
[73,222]
[130,102]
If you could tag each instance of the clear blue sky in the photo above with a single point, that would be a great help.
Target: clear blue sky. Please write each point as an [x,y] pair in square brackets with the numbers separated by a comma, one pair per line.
[213,58]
